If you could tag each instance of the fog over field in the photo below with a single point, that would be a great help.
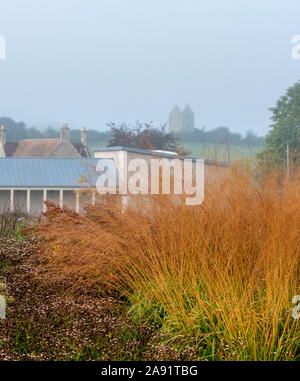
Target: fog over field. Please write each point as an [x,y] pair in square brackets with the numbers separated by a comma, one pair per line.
[94,62]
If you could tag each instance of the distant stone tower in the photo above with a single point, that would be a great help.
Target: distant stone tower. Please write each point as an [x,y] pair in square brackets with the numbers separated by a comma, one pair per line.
[175,120]
[181,121]
[188,119]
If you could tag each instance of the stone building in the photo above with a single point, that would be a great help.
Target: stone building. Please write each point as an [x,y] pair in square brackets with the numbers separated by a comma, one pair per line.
[181,121]
[60,147]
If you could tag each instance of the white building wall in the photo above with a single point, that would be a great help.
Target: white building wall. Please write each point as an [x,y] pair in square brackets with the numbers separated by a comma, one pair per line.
[36,200]
[213,172]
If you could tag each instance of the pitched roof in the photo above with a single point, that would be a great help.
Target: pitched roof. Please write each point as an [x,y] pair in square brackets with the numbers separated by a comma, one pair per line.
[10,148]
[82,150]
[48,172]
[36,147]
[39,148]
[175,110]
[188,109]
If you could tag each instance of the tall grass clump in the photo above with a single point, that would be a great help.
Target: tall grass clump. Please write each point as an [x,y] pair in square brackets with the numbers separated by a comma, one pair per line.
[222,274]
[10,223]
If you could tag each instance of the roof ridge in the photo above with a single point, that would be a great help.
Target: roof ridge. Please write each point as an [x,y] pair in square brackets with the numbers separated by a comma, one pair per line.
[22,140]
[48,158]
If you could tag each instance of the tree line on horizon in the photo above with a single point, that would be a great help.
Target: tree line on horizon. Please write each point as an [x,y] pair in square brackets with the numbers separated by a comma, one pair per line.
[281,144]
[16,131]
[221,135]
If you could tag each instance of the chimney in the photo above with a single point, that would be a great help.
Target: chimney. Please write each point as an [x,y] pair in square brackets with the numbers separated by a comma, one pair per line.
[65,133]
[83,136]
[2,135]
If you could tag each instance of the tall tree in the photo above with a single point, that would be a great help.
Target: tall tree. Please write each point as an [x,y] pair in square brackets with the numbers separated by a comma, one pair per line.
[285,129]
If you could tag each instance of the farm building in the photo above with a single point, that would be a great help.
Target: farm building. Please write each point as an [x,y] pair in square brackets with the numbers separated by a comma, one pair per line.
[26,183]
[123,155]
[60,147]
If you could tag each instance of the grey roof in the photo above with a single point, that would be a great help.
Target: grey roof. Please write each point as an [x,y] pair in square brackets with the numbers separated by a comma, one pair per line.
[160,154]
[47,172]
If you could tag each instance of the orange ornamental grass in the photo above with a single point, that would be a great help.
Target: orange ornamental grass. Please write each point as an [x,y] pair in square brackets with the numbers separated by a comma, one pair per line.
[225,271]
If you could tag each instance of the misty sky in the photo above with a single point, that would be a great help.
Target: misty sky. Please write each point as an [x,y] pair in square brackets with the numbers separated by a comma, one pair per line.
[89,62]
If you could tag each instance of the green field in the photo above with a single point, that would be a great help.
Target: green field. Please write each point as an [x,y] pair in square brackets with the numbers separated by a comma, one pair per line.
[207,150]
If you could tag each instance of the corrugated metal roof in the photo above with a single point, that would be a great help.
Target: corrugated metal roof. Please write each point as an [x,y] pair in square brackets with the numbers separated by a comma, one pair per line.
[47,172]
